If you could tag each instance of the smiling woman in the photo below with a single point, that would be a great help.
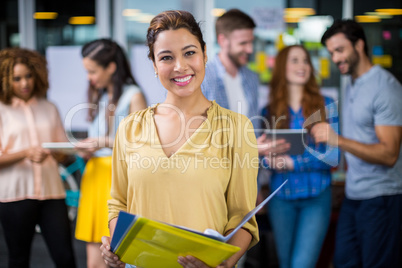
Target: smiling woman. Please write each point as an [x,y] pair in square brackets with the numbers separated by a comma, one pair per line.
[180,64]
[185,128]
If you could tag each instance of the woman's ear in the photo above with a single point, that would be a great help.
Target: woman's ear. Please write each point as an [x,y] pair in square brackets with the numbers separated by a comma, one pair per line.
[155,68]
[111,68]
[205,54]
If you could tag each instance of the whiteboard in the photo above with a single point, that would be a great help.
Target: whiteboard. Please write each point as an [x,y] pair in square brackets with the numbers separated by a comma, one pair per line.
[68,86]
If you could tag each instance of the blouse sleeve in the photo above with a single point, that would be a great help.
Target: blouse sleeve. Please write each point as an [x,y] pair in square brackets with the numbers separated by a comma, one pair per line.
[119,172]
[242,189]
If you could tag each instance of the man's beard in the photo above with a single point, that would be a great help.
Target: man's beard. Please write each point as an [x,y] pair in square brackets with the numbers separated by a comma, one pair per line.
[234,58]
[352,61]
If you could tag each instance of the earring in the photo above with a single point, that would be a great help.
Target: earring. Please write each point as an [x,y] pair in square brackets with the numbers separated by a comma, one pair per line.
[156,74]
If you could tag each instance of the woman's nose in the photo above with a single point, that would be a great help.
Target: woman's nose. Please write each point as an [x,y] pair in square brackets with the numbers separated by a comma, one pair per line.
[180,65]
[24,81]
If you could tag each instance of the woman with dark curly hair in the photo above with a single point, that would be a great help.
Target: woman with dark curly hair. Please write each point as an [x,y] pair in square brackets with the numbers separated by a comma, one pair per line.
[31,191]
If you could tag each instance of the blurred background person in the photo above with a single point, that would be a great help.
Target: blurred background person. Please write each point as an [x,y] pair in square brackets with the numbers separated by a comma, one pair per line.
[228,80]
[113,94]
[300,212]
[369,226]
[233,85]
[31,190]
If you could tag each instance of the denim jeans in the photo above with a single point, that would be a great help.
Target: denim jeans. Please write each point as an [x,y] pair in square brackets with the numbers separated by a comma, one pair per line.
[299,228]
[368,233]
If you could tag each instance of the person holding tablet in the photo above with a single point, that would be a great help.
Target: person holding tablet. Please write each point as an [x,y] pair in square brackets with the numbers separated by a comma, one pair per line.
[115,94]
[300,212]
[31,190]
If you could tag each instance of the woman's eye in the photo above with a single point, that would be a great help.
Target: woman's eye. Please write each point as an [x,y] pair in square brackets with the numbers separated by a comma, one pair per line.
[189,53]
[16,79]
[165,58]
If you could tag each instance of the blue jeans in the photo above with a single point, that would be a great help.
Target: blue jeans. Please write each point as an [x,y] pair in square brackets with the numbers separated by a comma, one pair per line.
[299,228]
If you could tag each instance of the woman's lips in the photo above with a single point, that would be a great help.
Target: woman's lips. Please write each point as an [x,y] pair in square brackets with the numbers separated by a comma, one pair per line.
[182,80]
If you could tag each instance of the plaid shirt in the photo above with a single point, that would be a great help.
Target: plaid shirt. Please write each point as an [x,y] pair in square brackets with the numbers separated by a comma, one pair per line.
[312,169]
[213,87]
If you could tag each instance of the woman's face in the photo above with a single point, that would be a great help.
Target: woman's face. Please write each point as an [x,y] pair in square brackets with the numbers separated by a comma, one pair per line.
[98,76]
[23,82]
[298,69]
[179,62]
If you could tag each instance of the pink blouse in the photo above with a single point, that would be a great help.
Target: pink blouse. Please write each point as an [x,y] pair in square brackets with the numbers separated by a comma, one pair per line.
[22,125]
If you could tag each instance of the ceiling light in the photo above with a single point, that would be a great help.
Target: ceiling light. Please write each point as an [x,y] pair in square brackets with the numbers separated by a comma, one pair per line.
[299,11]
[390,11]
[141,17]
[381,15]
[291,19]
[367,19]
[217,12]
[82,20]
[130,12]
[45,15]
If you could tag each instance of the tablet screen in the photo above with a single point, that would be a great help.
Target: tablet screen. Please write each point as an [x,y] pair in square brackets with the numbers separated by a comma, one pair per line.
[293,136]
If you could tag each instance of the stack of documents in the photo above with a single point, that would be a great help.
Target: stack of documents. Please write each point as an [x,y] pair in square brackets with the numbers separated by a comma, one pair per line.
[147,243]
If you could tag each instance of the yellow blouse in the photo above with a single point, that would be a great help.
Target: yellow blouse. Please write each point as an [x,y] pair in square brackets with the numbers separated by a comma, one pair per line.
[210,182]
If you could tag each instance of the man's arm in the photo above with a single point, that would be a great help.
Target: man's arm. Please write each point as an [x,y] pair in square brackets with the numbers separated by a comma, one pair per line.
[385,152]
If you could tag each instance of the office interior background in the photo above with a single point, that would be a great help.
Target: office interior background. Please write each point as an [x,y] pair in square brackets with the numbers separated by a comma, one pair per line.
[58,29]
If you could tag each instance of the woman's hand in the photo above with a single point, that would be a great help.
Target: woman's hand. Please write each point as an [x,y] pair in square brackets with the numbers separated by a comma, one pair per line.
[193,262]
[268,147]
[87,147]
[37,154]
[108,256]
[281,162]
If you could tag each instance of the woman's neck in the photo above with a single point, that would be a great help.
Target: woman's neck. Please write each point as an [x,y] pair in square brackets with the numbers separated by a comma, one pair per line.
[110,91]
[194,105]
[295,96]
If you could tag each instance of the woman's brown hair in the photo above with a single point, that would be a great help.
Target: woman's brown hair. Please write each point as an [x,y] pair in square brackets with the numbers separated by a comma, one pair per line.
[172,20]
[36,63]
[278,105]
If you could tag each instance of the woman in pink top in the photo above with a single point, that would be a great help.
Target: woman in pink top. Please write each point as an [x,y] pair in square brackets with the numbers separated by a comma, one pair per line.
[31,191]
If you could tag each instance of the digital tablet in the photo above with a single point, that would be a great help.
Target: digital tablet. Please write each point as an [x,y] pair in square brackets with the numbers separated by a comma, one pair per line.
[293,136]
[62,147]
